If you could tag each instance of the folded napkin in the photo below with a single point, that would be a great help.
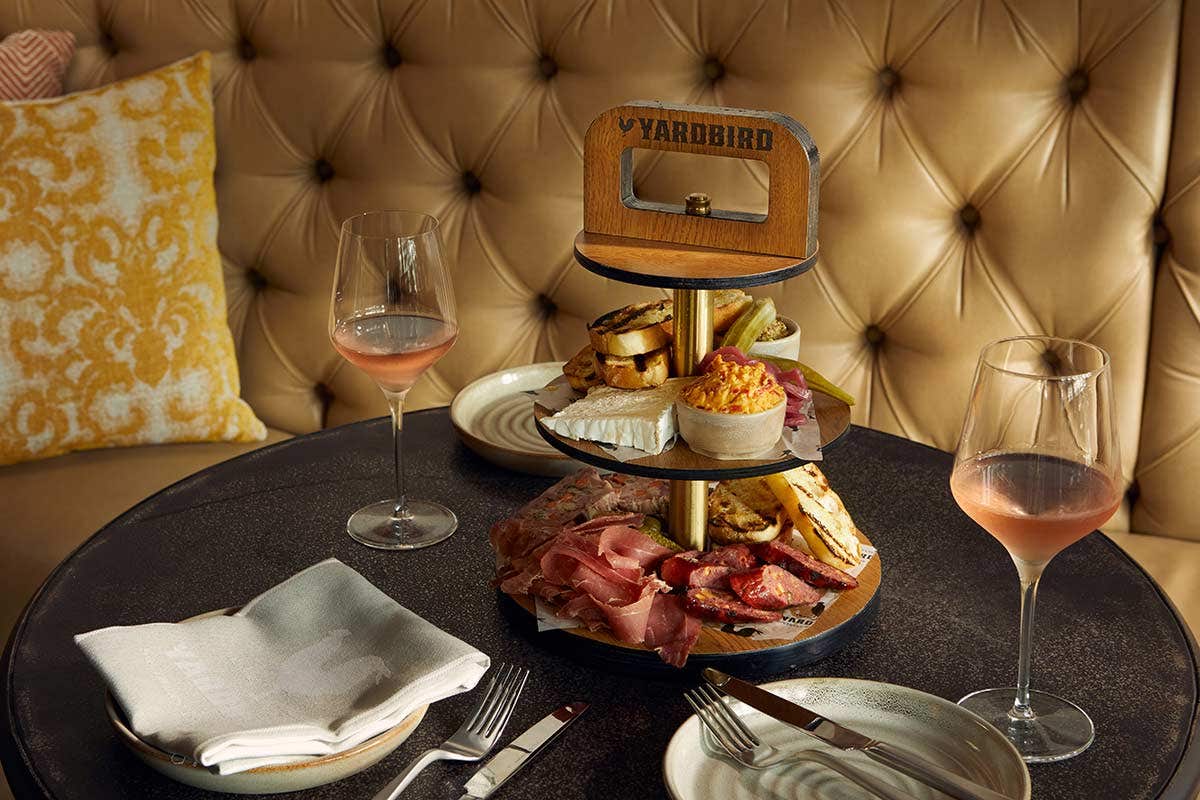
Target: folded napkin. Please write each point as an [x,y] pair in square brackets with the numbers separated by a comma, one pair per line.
[317,665]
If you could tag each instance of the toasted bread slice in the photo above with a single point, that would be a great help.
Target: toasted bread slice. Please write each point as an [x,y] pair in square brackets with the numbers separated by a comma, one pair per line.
[728,305]
[581,371]
[641,371]
[632,330]
[744,511]
[818,515]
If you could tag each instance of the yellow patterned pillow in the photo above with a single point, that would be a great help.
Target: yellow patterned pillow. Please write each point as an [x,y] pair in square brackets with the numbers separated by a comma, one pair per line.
[112,305]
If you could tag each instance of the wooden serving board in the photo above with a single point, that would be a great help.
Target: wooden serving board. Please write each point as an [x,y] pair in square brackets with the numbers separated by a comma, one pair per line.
[837,626]
[680,463]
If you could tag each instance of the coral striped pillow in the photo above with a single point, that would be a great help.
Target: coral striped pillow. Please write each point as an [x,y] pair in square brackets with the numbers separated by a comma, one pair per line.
[32,64]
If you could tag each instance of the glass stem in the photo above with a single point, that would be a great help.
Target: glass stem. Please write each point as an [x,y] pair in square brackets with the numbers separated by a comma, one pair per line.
[396,404]
[1030,576]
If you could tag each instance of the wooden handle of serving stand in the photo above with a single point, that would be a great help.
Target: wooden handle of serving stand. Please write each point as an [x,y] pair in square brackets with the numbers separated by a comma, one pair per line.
[789,228]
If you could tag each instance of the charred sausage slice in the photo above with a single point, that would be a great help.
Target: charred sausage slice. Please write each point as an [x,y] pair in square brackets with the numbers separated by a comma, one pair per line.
[772,587]
[726,607]
[804,566]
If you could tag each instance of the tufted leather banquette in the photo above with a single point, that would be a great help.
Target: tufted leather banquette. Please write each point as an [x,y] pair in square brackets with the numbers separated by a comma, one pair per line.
[987,169]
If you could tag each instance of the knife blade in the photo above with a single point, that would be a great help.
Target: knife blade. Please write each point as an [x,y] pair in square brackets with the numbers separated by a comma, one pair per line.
[492,775]
[844,738]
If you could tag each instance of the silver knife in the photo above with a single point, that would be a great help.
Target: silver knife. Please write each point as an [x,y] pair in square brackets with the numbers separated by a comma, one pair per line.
[492,775]
[843,738]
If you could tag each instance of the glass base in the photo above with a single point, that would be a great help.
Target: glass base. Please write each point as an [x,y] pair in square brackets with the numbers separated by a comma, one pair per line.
[426,523]
[1058,729]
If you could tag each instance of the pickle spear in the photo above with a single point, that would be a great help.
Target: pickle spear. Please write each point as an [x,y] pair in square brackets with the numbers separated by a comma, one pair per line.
[746,329]
[814,379]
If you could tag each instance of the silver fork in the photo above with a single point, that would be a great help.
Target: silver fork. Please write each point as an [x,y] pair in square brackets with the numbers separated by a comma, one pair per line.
[477,736]
[744,747]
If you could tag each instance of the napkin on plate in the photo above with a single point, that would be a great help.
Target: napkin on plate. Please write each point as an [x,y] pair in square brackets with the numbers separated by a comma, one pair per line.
[314,666]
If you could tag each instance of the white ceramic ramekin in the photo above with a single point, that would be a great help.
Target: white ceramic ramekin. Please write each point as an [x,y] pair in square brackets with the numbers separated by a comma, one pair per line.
[787,347]
[730,436]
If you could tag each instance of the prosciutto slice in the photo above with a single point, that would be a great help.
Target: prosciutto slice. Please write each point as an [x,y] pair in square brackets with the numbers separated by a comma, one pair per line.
[544,517]
[671,631]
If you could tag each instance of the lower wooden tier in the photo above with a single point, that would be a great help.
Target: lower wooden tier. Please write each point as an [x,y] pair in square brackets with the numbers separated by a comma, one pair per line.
[837,626]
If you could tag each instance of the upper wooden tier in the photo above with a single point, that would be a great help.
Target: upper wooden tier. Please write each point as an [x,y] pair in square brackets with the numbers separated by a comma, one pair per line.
[680,463]
[681,266]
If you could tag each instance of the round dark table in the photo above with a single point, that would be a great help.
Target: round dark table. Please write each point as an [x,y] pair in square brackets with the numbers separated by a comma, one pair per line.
[947,623]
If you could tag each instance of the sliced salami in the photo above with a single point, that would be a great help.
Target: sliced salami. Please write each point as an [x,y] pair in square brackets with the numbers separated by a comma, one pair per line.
[804,566]
[772,587]
[710,576]
[677,569]
[726,607]
[735,556]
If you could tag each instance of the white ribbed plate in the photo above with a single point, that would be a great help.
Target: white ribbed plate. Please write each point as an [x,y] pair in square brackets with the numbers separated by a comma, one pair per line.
[494,417]
[945,733]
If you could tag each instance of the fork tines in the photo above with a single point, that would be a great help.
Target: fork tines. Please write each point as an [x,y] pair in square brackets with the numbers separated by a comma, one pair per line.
[724,725]
[499,700]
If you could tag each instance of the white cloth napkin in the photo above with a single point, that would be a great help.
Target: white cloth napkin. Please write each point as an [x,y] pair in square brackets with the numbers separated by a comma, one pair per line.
[313,666]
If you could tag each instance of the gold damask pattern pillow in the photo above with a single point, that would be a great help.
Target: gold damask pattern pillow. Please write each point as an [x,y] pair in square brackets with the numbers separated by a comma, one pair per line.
[112,305]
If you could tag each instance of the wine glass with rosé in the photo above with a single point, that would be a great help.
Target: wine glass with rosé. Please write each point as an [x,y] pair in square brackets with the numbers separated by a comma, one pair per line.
[392,316]
[1038,467]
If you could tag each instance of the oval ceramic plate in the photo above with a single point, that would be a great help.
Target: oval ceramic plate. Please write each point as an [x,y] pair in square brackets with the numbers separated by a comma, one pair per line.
[934,728]
[264,780]
[494,417]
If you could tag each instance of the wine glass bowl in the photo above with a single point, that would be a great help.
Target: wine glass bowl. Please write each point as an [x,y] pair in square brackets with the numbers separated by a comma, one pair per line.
[392,315]
[1038,467]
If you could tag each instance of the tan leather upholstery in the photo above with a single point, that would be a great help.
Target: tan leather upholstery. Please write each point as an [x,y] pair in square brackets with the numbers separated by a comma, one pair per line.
[49,507]
[1169,459]
[987,169]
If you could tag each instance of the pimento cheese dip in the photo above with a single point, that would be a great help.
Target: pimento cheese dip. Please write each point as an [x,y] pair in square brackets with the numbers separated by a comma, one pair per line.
[731,388]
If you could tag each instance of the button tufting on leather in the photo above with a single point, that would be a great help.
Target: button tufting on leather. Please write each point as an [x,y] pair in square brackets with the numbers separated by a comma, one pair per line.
[1162,236]
[256,279]
[1133,492]
[108,43]
[889,80]
[471,182]
[968,217]
[546,306]
[1077,85]
[323,170]
[391,56]
[246,50]
[874,335]
[714,70]
[548,67]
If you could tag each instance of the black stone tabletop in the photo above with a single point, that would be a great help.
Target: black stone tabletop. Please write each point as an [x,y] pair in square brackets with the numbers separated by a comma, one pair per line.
[947,621]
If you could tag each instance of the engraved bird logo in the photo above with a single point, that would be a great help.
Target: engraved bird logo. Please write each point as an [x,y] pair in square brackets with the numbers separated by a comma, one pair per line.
[626,124]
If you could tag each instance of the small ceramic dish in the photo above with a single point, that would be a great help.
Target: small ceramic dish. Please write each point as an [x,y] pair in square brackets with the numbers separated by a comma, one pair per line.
[730,436]
[264,780]
[787,347]
[494,417]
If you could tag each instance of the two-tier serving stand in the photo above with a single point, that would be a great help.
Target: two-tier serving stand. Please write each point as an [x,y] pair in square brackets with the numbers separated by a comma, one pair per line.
[694,249]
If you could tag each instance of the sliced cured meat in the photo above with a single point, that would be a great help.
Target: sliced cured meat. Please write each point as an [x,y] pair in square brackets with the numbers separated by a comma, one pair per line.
[710,576]
[677,569]
[772,587]
[735,556]
[641,495]
[630,620]
[631,545]
[586,610]
[544,517]
[804,566]
[726,607]
[597,524]
[671,631]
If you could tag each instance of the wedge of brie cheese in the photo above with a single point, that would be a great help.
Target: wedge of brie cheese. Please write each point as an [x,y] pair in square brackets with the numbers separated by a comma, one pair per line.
[641,418]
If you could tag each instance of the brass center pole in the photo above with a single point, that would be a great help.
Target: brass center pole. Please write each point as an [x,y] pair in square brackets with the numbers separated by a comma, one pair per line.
[688,521]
